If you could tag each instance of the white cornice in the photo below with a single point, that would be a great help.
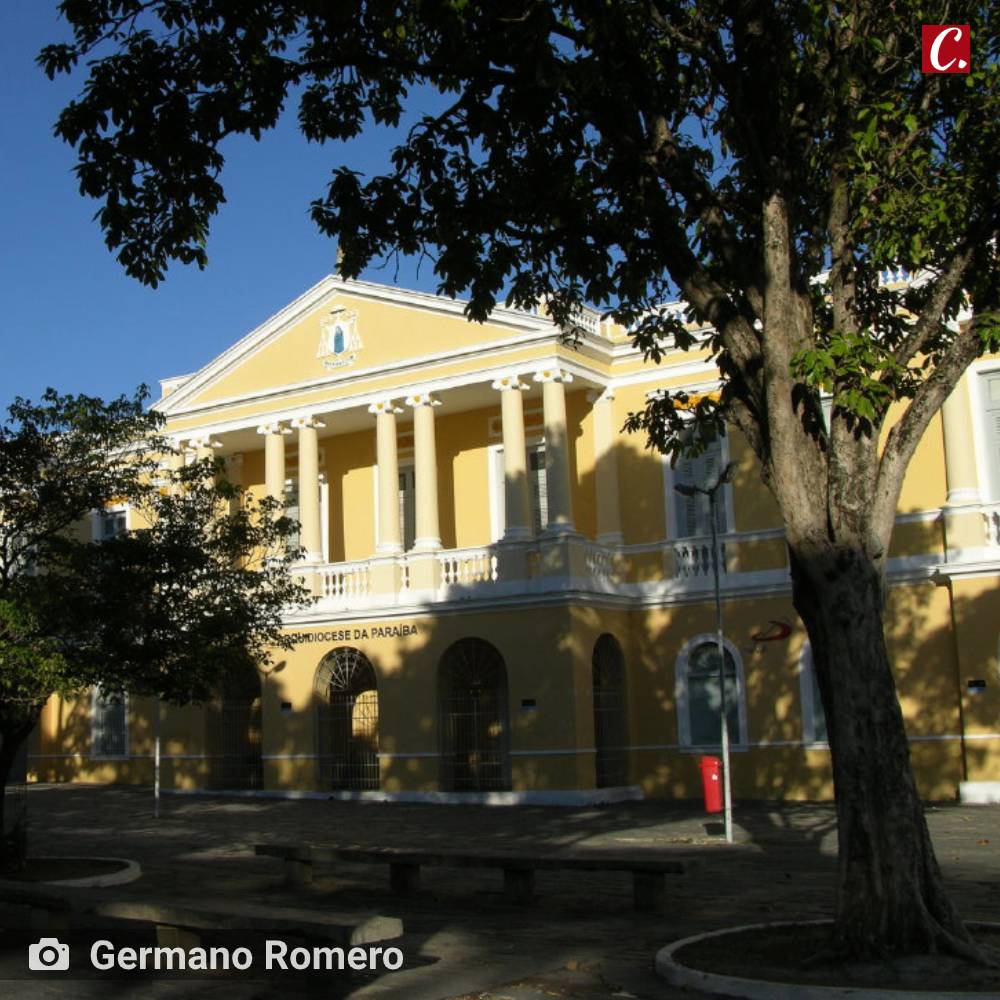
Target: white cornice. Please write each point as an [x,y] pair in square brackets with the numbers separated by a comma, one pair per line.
[366,397]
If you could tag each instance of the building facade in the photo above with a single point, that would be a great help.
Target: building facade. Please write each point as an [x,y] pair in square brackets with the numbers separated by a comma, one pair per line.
[512,600]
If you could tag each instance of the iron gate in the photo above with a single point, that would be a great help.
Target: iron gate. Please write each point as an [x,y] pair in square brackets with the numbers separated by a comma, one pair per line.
[475,755]
[610,728]
[347,721]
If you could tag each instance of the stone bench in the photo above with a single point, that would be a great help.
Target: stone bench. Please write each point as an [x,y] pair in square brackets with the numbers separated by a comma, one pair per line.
[648,874]
[179,921]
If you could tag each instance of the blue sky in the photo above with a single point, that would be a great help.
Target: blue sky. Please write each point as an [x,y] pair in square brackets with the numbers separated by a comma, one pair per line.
[73,320]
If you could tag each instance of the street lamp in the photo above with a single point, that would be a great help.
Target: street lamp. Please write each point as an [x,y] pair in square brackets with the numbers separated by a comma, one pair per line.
[712,492]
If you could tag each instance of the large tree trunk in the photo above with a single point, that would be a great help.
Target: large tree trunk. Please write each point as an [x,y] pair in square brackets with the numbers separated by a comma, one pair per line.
[890,895]
[15,728]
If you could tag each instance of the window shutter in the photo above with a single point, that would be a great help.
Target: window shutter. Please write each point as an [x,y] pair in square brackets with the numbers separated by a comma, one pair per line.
[992,422]
[687,507]
[538,489]
[98,732]
[407,508]
[500,485]
[692,512]
[293,539]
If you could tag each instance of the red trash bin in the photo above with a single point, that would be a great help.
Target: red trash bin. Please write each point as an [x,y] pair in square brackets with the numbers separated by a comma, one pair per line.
[711,783]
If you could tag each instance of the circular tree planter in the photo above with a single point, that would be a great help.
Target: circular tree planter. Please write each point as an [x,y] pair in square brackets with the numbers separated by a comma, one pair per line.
[105,872]
[671,968]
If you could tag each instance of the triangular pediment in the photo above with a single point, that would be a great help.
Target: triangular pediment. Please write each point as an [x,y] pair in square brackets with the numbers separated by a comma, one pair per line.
[342,330]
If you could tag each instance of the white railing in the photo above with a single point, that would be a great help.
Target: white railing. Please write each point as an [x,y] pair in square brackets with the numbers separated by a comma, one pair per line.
[600,563]
[467,567]
[588,319]
[991,514]
[692,557]
[345,582]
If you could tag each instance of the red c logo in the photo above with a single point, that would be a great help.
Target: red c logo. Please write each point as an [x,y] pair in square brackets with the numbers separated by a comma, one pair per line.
[945,48]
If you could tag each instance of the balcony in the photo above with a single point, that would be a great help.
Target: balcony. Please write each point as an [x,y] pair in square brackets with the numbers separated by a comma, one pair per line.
[546,565]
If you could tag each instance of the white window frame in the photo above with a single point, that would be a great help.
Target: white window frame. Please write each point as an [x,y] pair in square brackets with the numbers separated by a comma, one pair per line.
[404,461]
[97,519]
[670,498]
[807,671]
[496,480]
[683,703]
[989,491]
[95,698]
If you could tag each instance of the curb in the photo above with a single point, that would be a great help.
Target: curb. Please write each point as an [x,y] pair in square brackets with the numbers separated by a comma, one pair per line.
[129,873]
[761,989]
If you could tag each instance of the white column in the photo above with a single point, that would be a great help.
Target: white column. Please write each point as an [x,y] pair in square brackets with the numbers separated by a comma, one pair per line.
[557,477]
[204,447]
[234,474]
[388,477]
[274,459]
[517,509]
[310,528]
[178,459]
[609,521]
[964,526]
[959,449]
[425,471]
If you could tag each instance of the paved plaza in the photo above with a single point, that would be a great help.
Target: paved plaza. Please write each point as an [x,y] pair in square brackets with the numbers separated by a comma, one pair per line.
[580,939]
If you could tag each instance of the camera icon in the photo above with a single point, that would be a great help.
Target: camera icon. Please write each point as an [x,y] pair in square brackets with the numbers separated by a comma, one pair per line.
[48,955]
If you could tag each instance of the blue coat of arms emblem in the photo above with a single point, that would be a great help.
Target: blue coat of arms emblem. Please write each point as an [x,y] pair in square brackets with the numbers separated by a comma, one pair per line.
[339,339]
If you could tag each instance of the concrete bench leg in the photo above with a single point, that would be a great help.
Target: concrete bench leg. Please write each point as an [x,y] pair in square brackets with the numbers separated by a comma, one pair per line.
[404,879]
[298,872]
[518,885]
[649,889]
[168,936]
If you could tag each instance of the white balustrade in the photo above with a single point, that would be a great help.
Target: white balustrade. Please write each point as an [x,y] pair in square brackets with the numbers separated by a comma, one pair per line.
[588,319]
[693,557]
[345,582]
[991,514]
[600,563]
[467,567]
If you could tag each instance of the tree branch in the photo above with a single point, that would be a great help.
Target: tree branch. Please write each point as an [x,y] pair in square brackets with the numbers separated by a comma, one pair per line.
[928,321]
[904,437]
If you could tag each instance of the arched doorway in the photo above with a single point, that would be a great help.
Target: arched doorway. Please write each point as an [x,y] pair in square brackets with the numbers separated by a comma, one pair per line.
[610,726]
[347,721]
[472,692]
[233,732]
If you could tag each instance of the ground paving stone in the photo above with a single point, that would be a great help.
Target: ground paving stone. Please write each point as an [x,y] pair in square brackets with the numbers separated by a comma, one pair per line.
[580,939]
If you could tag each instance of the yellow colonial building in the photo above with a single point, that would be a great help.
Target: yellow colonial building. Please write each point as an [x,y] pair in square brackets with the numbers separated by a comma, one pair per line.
[513,602]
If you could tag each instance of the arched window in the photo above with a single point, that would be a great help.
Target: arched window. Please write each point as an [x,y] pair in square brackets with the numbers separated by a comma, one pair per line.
[472,695]
[813,716]
[610,726]
[347,721]
[233,733]
[699,697]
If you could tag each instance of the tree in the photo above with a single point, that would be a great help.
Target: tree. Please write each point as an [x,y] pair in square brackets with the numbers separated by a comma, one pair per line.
[167,610]
[768,161]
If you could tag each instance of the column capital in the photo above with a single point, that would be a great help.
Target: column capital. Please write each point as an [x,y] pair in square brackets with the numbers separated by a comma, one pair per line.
[509,382]
[606,395]
[422,399]
[552,375]
[308,423]
[204,441]
[384,406]
[275,427]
